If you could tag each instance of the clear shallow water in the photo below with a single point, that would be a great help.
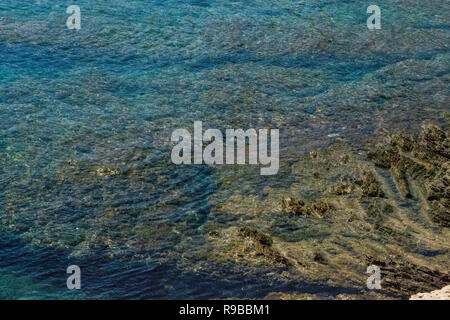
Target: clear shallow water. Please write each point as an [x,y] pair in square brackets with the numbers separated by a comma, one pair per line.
[110,94]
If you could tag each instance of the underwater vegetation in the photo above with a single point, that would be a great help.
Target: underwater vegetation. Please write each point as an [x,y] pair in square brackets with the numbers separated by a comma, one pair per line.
[86,177]
[387,205]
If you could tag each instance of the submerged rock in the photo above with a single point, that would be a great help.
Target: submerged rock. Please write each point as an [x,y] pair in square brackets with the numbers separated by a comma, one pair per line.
[421,162]
[257,236]
[364,183]
[324,296]
[344,186]
[106,172]
[403,277]
[318,208]
[246,245]
[384,206]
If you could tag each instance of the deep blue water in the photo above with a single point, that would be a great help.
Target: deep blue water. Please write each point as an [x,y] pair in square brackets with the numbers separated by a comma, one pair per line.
[110,94]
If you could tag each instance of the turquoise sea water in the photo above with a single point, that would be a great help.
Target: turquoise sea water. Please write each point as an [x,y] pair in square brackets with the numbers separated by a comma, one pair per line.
[110,95]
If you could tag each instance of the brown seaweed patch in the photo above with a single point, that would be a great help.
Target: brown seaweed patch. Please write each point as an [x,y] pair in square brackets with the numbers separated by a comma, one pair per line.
[246,245]
[369,185]
[318,208]
[106,172]
[363,183]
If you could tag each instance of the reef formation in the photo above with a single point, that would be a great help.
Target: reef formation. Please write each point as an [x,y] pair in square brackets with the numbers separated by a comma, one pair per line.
[339,210]
[387,205]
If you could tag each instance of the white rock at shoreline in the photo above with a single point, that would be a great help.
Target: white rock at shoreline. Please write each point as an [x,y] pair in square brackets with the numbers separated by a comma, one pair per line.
[443,294]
